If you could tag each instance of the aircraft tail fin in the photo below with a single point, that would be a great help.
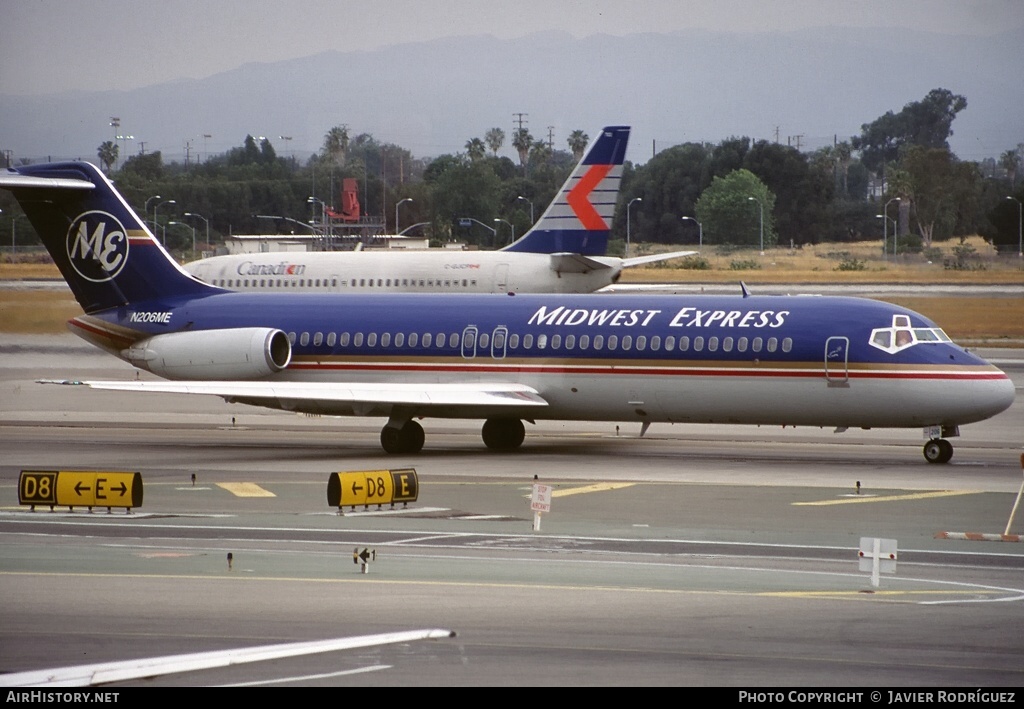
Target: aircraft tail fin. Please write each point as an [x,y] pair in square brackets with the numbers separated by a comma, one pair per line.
[579,219]
[104,251]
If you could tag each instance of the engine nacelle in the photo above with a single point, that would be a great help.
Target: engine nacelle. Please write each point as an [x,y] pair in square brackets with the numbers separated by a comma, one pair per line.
[243,353]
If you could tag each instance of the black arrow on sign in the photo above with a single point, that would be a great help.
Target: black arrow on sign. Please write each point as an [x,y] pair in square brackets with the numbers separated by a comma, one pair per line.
[79,488]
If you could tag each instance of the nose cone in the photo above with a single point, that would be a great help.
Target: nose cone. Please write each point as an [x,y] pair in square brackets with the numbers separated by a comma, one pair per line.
[992,394]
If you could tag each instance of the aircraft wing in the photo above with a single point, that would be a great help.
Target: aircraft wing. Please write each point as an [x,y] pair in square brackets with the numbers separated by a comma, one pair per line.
[575,263]
[499,394]
[107,672]
[653,258]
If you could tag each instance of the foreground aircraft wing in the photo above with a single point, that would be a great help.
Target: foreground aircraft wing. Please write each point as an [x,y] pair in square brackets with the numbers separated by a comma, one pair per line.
[107,672]
[400,394]
[653,258]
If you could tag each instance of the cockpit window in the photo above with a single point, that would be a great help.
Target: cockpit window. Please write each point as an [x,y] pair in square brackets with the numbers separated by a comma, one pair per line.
[901,335]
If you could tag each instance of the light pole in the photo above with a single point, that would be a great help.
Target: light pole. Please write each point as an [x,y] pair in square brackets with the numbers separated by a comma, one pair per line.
[207,221]
[323,208]
[628,206]
[397,205]
[1020,232]
[531,207]
[885,225]
[761,208]
[189,226]
[510,226]
[700,232]
[170,201]
[146,210]
[895,224]
[14,230]
[465,221]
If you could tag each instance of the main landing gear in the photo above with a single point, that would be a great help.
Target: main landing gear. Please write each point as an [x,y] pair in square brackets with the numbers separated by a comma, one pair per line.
[406,437]
[938,450]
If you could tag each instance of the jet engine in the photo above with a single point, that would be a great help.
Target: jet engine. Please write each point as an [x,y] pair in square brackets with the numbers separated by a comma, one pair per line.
[243,353]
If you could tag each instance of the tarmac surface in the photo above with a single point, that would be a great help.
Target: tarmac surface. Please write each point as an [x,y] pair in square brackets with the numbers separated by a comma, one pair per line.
[696,555]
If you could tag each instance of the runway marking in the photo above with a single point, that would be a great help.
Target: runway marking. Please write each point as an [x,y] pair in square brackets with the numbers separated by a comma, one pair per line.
[889,498]
[596,487]
[305,678]
[246,490]
[868,594]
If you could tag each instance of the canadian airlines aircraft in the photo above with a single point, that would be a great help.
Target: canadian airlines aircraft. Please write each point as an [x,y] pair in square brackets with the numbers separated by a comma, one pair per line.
[562,253]
[787,360]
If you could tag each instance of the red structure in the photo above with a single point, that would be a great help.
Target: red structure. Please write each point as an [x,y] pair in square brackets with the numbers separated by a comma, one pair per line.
[349,202]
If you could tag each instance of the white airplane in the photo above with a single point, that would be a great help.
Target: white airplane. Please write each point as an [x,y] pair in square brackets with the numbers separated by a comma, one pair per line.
[562,253]
[766,360]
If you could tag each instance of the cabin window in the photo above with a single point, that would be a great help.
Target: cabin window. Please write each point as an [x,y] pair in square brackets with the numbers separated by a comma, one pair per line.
[773,344]
[399,339]
[388,283]
[641,343]
[570,342]
[453,340]
[371,339]
[756,344]
[613,342]
[362,282]
[358,339]
[727,344]
[655,343]
[334,283]
[670,343]
[441,340]
[344,339]
[304,339]
[556,341]
[584,342]
[741,344]
[427,339]
[787,344]
[698,344]
[527,341]
[513,341]
[542,342]
[413,339]
[331,337]
[598,342]
[484,339]
[499,339]
[684,343]
[627,343]
[318,339]
[712,344]
[385,339]
[291,337]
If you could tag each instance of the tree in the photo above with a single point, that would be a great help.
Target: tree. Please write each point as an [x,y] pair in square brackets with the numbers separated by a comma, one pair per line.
[107,153]
[802,195]
[578,141]
[942,185]
[475,149]
[927,123]
[728,214]
[522,141]
[1010,161]
[336,145]
[495,139]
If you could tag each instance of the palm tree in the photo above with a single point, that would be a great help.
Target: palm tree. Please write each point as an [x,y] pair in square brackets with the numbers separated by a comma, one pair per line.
[336,144]
[522,141]
[844,156]
[495,138]
[107,153]
[476,149]
[578,143]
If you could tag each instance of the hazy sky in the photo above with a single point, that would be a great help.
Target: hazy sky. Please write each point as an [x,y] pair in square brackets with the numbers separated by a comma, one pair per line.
[56,45]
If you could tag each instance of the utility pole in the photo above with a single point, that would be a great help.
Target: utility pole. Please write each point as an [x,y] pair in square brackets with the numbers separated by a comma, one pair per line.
[520,119]
[551,138]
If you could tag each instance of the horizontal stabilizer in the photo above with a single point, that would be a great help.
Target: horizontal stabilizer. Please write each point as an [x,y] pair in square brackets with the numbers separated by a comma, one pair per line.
[575,263]
[654,258]
[11,180]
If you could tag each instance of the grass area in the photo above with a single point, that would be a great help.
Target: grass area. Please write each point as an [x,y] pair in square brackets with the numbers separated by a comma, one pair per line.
[859,262]
[967,319]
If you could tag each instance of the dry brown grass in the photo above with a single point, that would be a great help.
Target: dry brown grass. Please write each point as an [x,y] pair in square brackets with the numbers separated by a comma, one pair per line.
[967,319]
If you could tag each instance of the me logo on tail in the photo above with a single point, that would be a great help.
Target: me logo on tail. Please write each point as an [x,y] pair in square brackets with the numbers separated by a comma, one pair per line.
[97,246]
[579,198]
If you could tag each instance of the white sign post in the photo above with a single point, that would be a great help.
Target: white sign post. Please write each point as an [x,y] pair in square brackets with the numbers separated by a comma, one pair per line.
[877,555]
[540,502]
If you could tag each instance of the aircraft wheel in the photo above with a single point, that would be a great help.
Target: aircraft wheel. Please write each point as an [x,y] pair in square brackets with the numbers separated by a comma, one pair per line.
[503,434]
[405,440]
[938,451]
